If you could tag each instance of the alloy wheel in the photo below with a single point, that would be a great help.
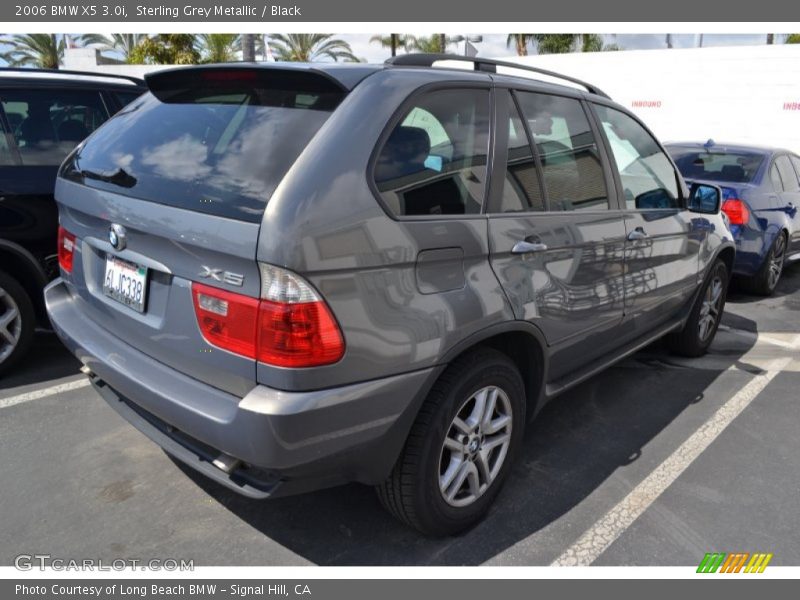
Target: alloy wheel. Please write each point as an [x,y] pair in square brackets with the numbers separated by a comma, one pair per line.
[711,309]
[776,261]
[475,447]
[10,325]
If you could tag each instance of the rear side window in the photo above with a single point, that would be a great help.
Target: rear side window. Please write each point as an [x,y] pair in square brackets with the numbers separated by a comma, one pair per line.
[775,177]
[521,187]
[796,164]
[788,176]
[571,168]
[6,156]
[215,142]
[47,124]
[434,160]
[648,178]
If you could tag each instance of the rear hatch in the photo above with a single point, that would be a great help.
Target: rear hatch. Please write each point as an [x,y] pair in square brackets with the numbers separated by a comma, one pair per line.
[171,191]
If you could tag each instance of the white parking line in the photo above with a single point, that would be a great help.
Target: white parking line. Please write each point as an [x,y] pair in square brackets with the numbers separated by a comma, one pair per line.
[765,338]
[605,531]
[43,393]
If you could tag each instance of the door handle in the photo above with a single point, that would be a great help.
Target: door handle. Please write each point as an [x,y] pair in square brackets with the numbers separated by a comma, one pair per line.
[637,234]
[525,247]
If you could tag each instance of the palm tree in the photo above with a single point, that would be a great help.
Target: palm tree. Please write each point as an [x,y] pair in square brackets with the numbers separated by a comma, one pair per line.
[41,50]
[124,43]
[434,44]
[218,47]
[393,41]
[308,47]
[554,43]
[248,47]
[520,41]
[591,42]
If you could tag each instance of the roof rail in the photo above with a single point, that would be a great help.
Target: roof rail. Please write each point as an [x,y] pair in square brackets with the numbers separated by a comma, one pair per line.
[131,78]
[485,64]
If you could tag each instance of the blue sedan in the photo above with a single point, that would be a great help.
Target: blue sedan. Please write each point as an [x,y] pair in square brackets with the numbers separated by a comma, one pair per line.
[761,197]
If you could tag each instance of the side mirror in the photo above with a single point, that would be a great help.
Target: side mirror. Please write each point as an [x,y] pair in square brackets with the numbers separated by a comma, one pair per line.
[705,199]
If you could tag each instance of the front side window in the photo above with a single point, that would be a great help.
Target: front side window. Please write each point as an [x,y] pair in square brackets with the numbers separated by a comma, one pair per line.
[571,168]
[434,161]
[48,124]
[647,175]
[788,176]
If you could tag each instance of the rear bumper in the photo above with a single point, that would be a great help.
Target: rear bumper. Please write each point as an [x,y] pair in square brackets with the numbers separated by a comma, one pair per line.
[288,441]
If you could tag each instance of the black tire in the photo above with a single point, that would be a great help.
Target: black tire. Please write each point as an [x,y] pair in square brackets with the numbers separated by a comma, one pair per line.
[766,280]
[14,298]
[412,491]
[692,340]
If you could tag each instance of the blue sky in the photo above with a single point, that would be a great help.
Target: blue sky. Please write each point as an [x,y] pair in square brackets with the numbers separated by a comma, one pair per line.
[495,44]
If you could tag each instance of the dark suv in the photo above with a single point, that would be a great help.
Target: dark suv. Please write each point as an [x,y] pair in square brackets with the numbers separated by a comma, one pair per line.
[43,115]
[292,276]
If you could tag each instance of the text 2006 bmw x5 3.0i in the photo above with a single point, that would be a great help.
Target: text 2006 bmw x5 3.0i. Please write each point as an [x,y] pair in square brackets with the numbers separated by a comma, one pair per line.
[296,276]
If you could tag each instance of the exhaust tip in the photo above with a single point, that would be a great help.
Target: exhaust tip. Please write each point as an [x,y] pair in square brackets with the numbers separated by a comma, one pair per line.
[226,462]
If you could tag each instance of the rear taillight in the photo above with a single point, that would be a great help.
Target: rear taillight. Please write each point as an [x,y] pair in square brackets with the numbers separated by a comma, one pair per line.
[737,211]
[66,249]
[290,326]
[227,320]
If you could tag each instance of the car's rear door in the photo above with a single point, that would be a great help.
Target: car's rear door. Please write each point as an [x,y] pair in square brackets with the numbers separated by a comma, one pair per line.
[556,241]
[663,240]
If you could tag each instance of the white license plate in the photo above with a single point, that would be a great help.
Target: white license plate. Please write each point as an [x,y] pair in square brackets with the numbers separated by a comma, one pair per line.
[125,282]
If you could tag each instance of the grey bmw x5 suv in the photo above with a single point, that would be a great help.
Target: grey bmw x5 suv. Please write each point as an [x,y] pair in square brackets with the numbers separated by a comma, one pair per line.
[294,276]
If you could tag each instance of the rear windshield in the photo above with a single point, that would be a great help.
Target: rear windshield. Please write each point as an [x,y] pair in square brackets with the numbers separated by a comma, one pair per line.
[732,167]
[221,149]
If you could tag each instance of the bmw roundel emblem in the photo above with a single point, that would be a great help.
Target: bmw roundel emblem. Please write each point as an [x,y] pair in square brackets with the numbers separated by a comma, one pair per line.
[117,236]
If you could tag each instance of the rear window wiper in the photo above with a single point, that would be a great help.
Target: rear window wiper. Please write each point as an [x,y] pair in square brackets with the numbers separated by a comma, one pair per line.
[118,176]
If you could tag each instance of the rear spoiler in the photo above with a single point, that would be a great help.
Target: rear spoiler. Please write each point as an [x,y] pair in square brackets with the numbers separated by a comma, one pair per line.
[237,76]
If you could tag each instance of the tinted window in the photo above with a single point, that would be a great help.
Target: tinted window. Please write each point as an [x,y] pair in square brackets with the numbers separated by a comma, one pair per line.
[220,149]
[125,98]
[571,168]
[776,178]
[6,156]
[733,167]
[47,124]
[434,160]
[796,164]
[521,188]
[647,175]
[788,176]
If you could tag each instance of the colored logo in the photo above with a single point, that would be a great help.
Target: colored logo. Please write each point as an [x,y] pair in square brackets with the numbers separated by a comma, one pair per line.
[734,562]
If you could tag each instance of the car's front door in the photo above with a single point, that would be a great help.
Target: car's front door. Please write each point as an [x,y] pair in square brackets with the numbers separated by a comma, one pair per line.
[789,198]
[556,244]
[663,240]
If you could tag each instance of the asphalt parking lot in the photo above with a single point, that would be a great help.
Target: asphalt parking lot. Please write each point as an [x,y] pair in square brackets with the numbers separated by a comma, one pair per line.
[654,462]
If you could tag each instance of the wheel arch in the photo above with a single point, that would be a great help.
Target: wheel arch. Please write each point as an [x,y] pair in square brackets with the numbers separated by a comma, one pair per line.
[525,345]
[23,266]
